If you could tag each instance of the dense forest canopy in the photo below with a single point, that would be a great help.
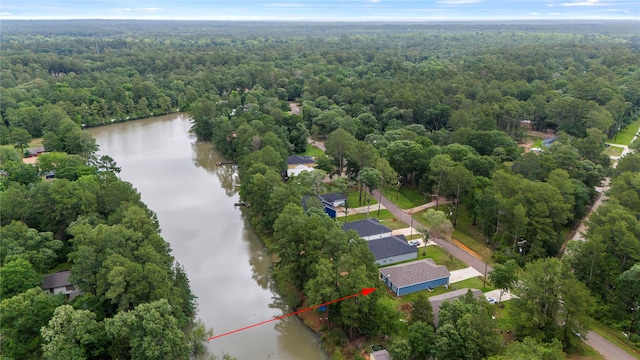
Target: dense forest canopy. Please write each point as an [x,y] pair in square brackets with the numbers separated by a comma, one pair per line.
[439,107]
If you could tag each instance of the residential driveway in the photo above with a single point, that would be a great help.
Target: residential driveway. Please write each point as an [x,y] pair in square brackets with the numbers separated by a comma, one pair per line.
[406,232]
[463,274]
[606,348]
[373,210]
[449,247]
[496,295]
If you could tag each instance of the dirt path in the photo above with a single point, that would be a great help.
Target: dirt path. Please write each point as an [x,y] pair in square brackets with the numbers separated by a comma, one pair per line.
[296,109]
[450,247]
[318,144]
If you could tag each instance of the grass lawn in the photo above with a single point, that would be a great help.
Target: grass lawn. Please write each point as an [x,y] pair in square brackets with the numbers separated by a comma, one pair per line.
[440,257]
[537,143]
[311,151]
[625,136]
[475,246]
[37,142]
[406,198]
[60,267]
[616,337]
[613,150]
[384,215]
[470,235]
[391,223]
[473,283]
[354,196]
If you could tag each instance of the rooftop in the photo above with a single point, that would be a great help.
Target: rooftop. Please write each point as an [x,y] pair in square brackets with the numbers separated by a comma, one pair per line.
[56,280]
[332,197]
[415,272]
[299,160]
[391,246]
[366,227]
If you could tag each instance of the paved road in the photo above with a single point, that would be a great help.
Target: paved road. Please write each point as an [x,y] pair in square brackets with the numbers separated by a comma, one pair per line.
[606,348]
[457,252]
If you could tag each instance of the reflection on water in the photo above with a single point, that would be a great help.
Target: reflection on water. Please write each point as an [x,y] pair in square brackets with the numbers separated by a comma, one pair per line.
[228,268]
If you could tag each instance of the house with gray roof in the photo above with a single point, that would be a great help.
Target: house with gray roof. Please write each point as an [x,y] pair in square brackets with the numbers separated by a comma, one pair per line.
[368,229]
[437,300]
[297,164]
[392,250]
[58,283]
[333,199]
[410,277]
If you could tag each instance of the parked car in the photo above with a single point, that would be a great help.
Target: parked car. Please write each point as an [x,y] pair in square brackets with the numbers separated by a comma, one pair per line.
[492,300]
[414,242]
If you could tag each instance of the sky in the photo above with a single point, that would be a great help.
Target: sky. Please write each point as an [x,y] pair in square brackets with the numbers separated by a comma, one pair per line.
[320,10]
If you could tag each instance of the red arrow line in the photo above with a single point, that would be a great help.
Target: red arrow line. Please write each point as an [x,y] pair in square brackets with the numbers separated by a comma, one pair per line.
[365,292]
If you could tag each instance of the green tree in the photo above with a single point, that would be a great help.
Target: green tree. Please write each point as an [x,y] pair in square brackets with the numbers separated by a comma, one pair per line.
[22,317]
[530,349]
[399,349]
[439,226]
[18,275]
[148,332]
[19,241]
[20,138]
[371,178]
[550,302]
[422,310]
[338,145]
[421,340]
[72,334]
[504,276]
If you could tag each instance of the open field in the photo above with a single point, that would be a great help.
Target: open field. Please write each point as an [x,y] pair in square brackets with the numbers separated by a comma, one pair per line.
[625,135]
[311,151]
[406,198]
[613,151]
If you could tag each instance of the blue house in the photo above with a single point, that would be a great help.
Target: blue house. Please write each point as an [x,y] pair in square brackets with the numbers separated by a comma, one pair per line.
[391,250]
[418,275]
[332,201]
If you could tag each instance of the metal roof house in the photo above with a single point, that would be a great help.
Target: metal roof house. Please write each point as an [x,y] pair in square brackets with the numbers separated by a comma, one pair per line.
[368,229]
[297,164]
[418,275]
[392,250]
[437,300]
[58,283]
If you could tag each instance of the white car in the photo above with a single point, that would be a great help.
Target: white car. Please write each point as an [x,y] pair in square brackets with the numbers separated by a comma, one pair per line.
[414,242]
[492,300]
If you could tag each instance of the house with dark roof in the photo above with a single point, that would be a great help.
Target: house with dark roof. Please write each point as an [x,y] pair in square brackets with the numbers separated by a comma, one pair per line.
[58,283]
[297,164]
[549,141]
[368,229]
[34,151]
[333,199]
[410,277]
[392,250]
[437,300]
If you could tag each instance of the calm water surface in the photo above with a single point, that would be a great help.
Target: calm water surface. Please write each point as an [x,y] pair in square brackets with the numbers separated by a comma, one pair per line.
[227,265]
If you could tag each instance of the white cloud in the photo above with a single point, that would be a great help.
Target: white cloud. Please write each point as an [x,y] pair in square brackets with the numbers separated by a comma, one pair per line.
[4,13]
[119,10]
[150,10]
[584,3]
[458,2]
[534,13]
[373,1]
